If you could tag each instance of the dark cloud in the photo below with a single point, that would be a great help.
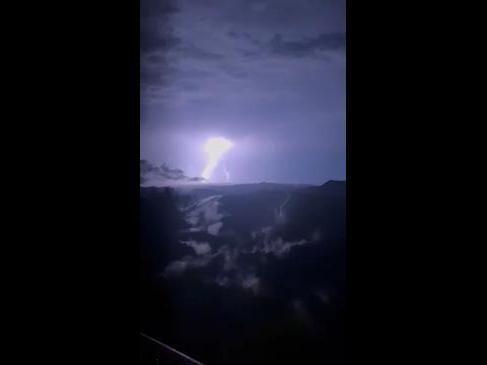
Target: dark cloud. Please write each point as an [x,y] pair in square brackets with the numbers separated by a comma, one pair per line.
[152,40]
[155,30]
[233,34]
[268,74]
[161,174]
[235,71]
[150,8]
[156,39]
[307,46]
[197,179]
[243,36]
[191,51]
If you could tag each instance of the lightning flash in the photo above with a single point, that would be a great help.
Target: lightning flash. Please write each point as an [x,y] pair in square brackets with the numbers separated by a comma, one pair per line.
[215,149]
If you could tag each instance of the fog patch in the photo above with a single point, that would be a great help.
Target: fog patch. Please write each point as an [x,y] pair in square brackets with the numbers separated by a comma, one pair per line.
[214,228]
[229,259]
[222,281]
[277,246]
[204,215]
[178,267]
[250,282]
[200,248]
[280,248]
[280,216]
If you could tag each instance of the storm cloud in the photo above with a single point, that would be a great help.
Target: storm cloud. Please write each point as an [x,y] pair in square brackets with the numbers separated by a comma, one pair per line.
[269,75]
[161,174]
[307,46]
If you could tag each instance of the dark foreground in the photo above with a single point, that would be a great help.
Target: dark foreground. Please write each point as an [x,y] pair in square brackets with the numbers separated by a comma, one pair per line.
[244,274]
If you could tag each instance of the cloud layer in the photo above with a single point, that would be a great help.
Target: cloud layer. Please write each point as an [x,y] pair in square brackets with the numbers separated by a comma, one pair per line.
[270,75]
[156,175]
[225,257]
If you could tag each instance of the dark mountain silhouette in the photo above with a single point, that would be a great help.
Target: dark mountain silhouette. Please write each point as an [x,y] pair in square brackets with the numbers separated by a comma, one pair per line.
[334,187]
[245,274]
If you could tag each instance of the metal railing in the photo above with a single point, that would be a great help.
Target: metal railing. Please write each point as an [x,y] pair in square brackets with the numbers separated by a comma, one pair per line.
[154,352]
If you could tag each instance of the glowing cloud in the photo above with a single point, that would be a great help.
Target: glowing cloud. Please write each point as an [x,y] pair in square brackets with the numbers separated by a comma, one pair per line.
[215,148]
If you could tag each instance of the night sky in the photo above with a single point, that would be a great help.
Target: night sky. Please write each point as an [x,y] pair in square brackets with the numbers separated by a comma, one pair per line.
[267,75]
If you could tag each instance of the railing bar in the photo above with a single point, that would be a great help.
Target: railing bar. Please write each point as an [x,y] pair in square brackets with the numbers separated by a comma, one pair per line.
[170,348]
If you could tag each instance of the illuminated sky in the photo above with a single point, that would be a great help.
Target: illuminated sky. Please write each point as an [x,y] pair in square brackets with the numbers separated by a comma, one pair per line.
[267,75]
